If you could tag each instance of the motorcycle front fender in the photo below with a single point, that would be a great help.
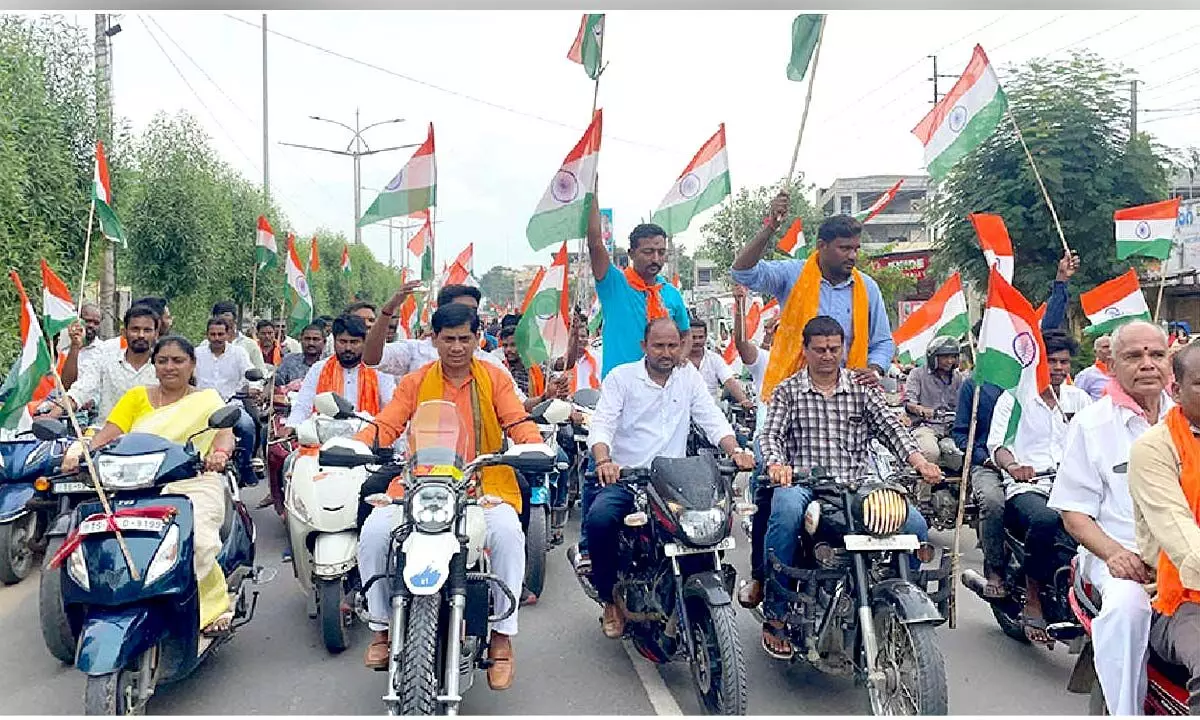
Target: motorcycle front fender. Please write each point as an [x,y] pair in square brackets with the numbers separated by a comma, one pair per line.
[707,585]
[61,526]
[911,604]
[111,638]
[12,501]
[334,554]
[427,561]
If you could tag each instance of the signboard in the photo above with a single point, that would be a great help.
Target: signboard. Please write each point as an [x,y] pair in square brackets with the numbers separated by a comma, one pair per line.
[1186,254]
[606,231]
[914,265]
[906,308]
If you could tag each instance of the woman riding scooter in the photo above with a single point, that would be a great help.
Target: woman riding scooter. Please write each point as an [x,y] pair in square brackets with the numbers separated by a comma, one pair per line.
[174,411]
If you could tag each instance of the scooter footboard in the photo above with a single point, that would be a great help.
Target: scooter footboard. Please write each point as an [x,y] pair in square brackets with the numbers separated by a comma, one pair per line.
[335,554]
[111,639]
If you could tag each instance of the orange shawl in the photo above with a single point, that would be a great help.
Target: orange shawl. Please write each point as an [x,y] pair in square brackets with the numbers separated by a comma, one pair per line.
[274,357]
[333,379]
[655,308]
[593,375]
[1171,592]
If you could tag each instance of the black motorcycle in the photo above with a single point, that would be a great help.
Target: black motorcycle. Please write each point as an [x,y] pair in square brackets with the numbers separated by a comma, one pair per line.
[672,586]
[854,606]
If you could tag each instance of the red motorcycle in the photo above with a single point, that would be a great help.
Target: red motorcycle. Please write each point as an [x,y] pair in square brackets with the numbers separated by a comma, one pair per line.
[1166,691]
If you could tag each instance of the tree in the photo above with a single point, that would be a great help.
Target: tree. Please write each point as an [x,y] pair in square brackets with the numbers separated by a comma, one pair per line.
[497,285]
[1074,115]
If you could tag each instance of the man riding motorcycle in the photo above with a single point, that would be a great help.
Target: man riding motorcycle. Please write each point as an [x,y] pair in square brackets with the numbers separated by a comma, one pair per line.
[1029,457]
[345,374]
[932,391]
[488,404]
[1092,493]
[821,417]
[644,412]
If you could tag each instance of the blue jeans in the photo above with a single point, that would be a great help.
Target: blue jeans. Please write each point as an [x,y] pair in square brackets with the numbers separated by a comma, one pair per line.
[588,493]
[605,521]
[558,493]
[246,434]
[783,532]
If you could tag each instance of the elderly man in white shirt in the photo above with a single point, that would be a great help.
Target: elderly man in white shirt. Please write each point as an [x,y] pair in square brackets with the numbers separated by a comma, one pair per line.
[644,413]
[110,373]
[1094,378]
[349,331]
[1092,493]
[1030,456]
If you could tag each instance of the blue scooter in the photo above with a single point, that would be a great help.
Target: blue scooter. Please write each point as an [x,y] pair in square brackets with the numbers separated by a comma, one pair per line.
[136,634]
[26,508]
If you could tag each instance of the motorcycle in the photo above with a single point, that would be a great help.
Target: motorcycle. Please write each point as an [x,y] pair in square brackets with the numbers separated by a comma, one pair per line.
[281,444]
[853,606]
[542,487]
[26,507]
[1166,689]
[939,502]
[136,634]
[584,402]
[438,573]
[672,586]
[321,506]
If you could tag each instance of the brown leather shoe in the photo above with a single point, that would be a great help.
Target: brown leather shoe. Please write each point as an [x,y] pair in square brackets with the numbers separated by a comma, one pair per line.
[378,651]
[613,622]
[500,652]
[751,594]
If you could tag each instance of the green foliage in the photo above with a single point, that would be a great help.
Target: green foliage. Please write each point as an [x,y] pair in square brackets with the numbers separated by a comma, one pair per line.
[736,222]
[497,285]
[894,285]
[1074,115]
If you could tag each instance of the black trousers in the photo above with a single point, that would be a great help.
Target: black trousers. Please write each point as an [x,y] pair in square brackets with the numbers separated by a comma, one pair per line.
[604,522]
[1048,546]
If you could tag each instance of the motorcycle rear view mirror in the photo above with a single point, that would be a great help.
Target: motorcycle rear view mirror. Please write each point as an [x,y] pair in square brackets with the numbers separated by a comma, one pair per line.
[224,418]
[254,375]
[588,397]
[555,411]
[333,405]
[49,429]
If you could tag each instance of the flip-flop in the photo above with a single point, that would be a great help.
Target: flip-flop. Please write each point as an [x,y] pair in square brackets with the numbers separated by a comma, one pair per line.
[1034,626]
[220,626]
[995,591]
[778,634]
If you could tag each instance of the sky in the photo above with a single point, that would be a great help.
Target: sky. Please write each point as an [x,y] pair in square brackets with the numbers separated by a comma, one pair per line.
[507,105]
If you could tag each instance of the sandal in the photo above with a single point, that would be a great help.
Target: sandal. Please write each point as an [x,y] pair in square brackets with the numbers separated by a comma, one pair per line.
[1035,630]
[771,632]
[995,590]
[220,626]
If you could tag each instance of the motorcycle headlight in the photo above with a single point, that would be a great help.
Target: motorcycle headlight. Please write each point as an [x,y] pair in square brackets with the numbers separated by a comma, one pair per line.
[431,507]
[165,557]
[703,527]
[883,511]
[329,429]
[77,569]
[128,473]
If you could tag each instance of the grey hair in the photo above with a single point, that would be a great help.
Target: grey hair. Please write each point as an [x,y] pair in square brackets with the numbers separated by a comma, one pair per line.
[1096,342]
[1119,334]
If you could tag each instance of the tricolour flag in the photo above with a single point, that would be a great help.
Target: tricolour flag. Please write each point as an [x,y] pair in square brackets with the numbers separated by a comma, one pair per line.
[563,212]
[806,33]
[460,270]
[878,206]
[943,315]
[544,328]
[962,120]
[996,245]
[414,187]
[533,288]
[595,316]
[416,245]
[588,48]
[752,325]
[102,198]
[301,294]
[793,238]
[702,184]
[1114,303]
[29,369]
[58,309]
[1012,353]
[1147,229]
[265,251]
[345,259]
[314,258]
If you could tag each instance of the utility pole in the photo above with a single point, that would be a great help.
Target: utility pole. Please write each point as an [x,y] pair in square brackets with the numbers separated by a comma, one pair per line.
[934,78]
[266,140]
[107,299]
[1133,108]
[356,149]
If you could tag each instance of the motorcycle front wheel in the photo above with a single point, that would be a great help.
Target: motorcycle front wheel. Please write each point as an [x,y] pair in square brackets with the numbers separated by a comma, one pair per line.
[56,627]
[16,557]
[536,547]
[419,684]
[329,606]
[718,666]
[912,663]
[118,693]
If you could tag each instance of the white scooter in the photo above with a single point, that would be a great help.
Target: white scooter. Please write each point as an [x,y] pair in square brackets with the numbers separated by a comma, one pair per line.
[322,514]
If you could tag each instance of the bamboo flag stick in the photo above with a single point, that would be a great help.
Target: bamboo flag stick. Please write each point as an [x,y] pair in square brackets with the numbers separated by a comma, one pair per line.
[812,76]
[1038,176]
[87,252]
[968,456]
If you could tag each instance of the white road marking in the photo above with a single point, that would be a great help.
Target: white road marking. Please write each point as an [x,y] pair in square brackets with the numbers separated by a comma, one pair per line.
[660,696]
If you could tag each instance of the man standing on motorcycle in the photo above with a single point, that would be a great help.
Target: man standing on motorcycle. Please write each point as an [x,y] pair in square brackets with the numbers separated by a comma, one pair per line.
[345,374]
[821,417]
[1030,456]
[932,391]
[1092,493]
[645,411]
[1164,480]
[474,387]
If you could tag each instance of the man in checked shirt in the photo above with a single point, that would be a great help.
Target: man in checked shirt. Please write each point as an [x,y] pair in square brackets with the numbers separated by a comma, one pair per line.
[821,417]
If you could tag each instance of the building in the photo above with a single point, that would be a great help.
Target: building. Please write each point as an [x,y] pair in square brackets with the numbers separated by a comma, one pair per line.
[900,222]
[705,283]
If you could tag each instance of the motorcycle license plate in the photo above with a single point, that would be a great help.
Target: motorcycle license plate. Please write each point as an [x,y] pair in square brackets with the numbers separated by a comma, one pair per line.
[65,488]
[129,524]
[867,543]
[673,549]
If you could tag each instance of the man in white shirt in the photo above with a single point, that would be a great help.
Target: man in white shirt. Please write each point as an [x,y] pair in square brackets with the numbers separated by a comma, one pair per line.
[1092,493]
[351,380]
[228,310]
[110,373]
[1030,457]
[715,372]
[222,366]
[81,343]
[644,413]
[1094,378]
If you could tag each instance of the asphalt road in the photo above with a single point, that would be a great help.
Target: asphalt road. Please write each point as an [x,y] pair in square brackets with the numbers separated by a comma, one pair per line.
[277,665]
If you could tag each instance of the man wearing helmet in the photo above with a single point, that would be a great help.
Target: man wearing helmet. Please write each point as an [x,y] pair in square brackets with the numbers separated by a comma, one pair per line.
[931,396]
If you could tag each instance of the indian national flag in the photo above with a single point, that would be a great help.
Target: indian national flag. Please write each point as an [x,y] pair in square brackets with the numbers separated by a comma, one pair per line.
[793,238]
[943,315]
[996,245]
[1147,229]
[460,270]
[265,250]
[345,259]
[702,184]
[416,245]
[1114,303]
[102,198]
[27,372]
[58,309]
[882,202]
[544,329]
[414,187]
[563,212]
[301,294]
[1012,354]
[588,48]
[595,316]
[963,119]
[752,324]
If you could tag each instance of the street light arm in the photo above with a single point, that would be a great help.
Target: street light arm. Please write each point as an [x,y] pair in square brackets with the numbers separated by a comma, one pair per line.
[319,149]
[381,122]
[334,122]
[388,149]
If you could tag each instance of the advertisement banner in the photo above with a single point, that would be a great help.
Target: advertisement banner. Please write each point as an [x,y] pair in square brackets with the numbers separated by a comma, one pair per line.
[606,225]
[1186,255]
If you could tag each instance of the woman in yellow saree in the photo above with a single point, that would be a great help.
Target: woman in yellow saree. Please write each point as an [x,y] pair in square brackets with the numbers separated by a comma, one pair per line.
[174,411]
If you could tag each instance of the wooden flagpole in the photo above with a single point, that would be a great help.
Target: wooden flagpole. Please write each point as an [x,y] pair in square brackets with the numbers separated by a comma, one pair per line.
[1038,176]
[968,456]
[812,76]
[87,252]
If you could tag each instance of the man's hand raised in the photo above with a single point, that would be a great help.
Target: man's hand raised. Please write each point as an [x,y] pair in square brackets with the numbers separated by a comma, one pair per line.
[401,295]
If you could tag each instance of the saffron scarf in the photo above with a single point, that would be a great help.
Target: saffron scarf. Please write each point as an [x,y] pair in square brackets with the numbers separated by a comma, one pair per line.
[593,372]
[497,480]
[803,304]
[655,308]
[1171,592]
[274,357]
[333,379]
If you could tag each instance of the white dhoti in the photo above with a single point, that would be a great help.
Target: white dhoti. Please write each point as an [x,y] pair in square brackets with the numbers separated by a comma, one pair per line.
[1120,636]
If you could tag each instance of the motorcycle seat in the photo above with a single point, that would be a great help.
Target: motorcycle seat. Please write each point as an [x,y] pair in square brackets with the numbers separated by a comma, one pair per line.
[1177,675]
